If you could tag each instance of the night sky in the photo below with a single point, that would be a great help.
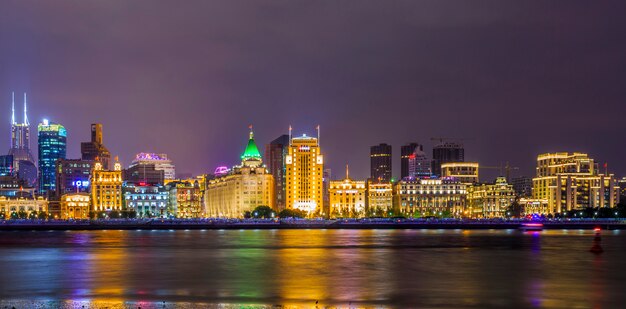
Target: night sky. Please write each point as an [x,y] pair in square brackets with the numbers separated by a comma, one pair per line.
[187,77]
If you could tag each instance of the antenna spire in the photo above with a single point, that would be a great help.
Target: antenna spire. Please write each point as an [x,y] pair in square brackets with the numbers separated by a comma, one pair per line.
[289,135]
[25,115]
[13,107]
[347,172]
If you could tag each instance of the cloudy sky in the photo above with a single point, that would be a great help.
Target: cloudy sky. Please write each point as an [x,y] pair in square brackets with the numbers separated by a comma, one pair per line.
[186,78]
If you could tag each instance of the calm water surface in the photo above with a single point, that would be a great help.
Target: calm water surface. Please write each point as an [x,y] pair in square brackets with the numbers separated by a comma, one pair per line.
[358,268]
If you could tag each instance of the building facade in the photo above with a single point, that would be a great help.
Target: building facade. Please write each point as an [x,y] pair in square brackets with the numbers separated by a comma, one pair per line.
[23,162]
[75,206]
[106,188]
[244,188]
[144,174]
[489,200]
[523,186]
[52,146]
[572,181]
[11,207]
[379,199]
[275,153]
[305,168]
[95,150]
[159,162]
[189,202]
[347,198]
[419,164]
[405,152]
[431,197]
[148,201]
[445,152]
[381,163]
[72,175]
[465,172]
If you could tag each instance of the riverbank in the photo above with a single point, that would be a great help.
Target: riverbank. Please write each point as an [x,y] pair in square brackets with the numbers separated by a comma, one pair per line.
[159,224]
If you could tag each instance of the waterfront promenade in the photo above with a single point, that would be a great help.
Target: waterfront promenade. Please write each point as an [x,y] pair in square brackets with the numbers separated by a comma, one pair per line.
[178,224]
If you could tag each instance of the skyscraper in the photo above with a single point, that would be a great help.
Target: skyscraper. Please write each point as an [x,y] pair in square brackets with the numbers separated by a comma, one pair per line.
[275,154]
[445,152]
[95,148]
[419,164]
[405,152]
[52,146]
[159,161]
[23,162]
[380,163]
[305,168]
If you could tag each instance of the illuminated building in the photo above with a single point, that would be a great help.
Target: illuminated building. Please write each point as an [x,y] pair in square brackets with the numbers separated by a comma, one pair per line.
[188,202]
[532,206]
[379,198]
[23,162]
[9,206]
[275,154]
[572,181]
[244,188]
[6,166]
[147,200]
[144,173]
[489,200]
[446,152]
[465,172]
[347,198]
[431,197]
[106,187]
[72,175]
[11,186]
[305,168]
[75,205]
[419,166]
[95,149]
[52,146]
[405,153]
[159,161]
[380,163]
[326,178]
[523,186]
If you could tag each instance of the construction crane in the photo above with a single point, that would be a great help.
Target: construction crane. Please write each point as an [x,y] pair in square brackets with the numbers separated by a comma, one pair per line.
[506,168]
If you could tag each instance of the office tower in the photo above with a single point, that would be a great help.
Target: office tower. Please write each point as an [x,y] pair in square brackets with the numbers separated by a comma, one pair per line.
[305,168]
[347,198]
[275,154]
[445,152]
[489,200]
[106,187]
[380,163]
[72,175]
[95,149]
[6,166]
[244,188]
[52,146]
[158,161]
[464,172]
[572,181]
[419,164]
[523,186]
[23,163]
[405,152]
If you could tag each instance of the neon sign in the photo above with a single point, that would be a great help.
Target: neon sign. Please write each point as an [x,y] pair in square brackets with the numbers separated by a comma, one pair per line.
[80,183]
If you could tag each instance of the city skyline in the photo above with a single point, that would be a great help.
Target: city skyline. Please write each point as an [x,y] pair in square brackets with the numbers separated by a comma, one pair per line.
[429,71]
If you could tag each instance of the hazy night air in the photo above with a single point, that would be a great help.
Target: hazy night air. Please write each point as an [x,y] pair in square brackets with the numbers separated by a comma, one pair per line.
[517,78]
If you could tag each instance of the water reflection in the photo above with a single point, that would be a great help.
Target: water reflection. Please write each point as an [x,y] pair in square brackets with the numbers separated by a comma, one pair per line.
[398,268]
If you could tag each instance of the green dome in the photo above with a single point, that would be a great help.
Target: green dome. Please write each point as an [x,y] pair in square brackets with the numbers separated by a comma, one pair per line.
[252,151]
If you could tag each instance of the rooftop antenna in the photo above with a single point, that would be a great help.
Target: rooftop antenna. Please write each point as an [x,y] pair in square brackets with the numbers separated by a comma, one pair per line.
[13,107]
[318,134]
[289,135]
[25,116]
[347,172]
[251,134]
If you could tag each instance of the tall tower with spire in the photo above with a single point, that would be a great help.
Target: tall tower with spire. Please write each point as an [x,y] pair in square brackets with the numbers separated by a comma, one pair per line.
[23,160]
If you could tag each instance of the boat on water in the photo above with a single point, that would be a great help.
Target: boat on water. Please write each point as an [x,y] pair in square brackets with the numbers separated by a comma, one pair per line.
[531,226]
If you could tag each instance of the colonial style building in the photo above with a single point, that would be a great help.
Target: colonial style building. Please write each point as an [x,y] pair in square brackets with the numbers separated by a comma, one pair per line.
[431,197]
[347,198]
[243,188]
[147,200]
[464,172]
[379,198]
[75,205]
[10,206]
[106,187]
[489,200]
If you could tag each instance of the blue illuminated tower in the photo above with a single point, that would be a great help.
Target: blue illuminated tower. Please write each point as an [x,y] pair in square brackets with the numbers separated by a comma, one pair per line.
[52,146]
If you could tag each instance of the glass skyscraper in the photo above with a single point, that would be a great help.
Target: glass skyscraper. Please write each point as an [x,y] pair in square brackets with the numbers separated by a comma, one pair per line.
[52,146]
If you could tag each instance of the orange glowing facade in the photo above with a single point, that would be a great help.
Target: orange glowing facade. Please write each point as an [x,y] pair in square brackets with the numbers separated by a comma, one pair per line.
[304,172]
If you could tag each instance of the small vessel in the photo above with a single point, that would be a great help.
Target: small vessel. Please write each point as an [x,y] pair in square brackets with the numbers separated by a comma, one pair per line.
[531,226]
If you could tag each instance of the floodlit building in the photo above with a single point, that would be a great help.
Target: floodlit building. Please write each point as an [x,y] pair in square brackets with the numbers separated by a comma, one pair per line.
[188,202]
[489,200]
[572,181]
[379,198]
[464,172]
[13,206]
[147,200]
[52,146]
[305,168]
[95,150]
[275,153]
[347,198]
[419,166]
[243,188]
[158,162]
[75,205]
[380,163]
[531,206]
[431,197]
[23,162]
[72,175]
[106,187]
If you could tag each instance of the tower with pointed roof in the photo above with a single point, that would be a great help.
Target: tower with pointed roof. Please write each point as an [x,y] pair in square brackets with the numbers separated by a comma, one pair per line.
[244,188]
[23,161]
